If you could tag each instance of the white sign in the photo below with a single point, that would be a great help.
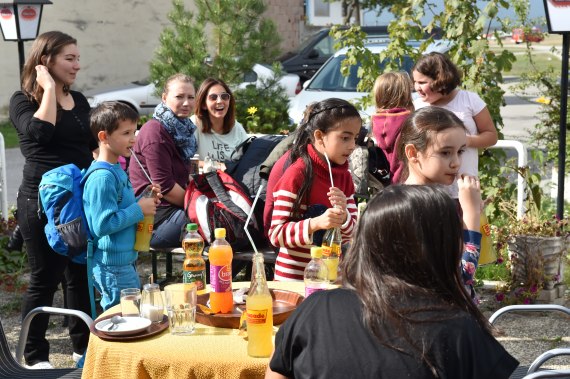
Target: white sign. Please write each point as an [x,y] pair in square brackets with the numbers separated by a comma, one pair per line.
[29,16]
[8,23]
[557,15]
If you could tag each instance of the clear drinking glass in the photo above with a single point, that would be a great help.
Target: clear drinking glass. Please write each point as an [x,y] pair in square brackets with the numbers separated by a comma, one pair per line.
[130,302]
[181,307]
[151,303]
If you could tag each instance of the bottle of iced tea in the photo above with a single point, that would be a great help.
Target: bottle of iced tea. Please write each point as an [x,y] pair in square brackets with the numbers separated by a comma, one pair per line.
[194,266]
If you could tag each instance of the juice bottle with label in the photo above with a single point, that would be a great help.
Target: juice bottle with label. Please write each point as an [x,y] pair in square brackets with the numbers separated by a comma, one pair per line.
[331,245]
[194,266]
[144,228]
[259,314]
[220,256]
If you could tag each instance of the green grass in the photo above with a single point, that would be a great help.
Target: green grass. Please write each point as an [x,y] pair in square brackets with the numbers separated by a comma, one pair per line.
[542,60]
[9,133]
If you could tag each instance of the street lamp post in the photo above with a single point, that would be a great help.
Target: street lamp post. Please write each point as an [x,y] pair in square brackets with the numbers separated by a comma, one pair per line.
[20,21]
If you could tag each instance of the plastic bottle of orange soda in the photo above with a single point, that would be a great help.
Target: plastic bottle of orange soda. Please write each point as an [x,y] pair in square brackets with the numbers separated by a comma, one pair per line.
[220,256]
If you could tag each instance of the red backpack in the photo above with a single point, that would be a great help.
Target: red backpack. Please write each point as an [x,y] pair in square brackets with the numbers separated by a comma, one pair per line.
[216,200]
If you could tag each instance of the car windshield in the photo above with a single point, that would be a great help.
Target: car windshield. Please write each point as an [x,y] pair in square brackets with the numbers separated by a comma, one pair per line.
[329,78]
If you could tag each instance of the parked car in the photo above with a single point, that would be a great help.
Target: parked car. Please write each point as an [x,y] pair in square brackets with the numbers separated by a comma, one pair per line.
[315,50]
[329,82]
[140,94]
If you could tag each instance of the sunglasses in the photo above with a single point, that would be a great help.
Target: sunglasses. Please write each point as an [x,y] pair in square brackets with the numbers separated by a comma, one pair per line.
[214,96]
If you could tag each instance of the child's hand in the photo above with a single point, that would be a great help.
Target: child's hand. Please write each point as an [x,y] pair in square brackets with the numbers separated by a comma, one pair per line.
[470,201]
[332,218]
[148,205]
[337,198]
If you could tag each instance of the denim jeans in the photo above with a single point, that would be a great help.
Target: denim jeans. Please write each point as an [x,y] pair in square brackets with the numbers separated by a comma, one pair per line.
[169,232]
[47,270]
[110,280]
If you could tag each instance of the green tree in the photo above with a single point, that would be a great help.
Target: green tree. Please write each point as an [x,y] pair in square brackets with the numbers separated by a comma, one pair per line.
[462,23]
[223,39]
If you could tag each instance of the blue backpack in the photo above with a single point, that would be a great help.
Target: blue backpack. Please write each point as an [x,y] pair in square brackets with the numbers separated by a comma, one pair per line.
[61,199]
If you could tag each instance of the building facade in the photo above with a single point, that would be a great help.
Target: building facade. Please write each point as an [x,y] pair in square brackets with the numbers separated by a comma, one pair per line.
[117,39]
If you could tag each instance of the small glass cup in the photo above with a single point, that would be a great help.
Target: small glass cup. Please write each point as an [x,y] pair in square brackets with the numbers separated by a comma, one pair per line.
[130,302]
[151,303]
[181,307]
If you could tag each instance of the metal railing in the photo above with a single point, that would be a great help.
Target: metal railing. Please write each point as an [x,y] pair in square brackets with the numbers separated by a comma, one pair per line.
[522,161]
[3,183]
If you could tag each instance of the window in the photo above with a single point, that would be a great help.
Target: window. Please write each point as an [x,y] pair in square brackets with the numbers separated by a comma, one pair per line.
[322,9]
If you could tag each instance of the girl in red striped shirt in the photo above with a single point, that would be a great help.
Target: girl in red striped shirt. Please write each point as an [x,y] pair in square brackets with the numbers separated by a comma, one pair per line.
[304,203]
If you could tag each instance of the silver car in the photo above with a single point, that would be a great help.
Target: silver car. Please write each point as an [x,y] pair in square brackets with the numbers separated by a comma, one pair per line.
[140,94]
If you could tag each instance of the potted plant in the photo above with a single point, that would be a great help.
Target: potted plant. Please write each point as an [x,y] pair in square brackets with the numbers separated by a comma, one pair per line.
[537,245]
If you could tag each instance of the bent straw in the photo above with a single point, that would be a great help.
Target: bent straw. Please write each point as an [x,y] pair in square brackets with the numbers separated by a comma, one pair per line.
[249,217]
[330,170]
[141,166]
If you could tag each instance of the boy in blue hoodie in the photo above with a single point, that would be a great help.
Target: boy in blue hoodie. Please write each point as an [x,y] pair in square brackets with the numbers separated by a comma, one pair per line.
[111,208]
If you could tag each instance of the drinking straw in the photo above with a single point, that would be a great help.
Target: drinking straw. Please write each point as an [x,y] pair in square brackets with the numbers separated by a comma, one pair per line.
[330,170]
[249,217]
[141,166]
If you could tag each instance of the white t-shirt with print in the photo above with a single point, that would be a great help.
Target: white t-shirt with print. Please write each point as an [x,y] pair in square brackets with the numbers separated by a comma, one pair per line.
[465,105]
[219,147]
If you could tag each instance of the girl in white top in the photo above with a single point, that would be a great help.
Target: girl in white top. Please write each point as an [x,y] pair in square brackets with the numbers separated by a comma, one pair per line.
[436,79]
[218,132]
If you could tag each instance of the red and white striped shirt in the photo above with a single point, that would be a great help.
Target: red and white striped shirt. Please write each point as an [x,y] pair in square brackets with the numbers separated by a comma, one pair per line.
[292,237]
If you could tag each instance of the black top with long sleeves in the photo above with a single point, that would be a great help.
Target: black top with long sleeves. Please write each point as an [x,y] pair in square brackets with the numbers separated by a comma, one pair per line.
[46,146]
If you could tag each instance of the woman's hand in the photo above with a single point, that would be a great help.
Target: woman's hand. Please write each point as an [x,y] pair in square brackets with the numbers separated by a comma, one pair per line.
[332,218]
[470,201]
[44,78]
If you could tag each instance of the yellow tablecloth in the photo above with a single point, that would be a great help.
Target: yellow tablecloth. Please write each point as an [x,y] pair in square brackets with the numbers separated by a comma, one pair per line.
[208,353]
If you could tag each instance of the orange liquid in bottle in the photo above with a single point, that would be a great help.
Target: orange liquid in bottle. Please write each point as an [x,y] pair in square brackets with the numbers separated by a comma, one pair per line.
[221,299]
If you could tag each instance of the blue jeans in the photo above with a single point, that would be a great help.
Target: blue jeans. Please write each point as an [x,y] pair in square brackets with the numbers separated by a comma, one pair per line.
[110,280]
[169,232]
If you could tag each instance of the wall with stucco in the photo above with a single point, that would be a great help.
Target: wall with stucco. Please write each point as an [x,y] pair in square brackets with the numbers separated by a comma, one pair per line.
[117,38]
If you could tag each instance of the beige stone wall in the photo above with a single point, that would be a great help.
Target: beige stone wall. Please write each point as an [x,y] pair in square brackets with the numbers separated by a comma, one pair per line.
[289,17]
[117,38]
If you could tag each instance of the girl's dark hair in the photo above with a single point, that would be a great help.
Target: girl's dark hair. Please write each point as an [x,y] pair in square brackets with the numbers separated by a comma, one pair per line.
[47,45]
[420,129]
[406,249]
[204,115]
[445,75]
[325,116]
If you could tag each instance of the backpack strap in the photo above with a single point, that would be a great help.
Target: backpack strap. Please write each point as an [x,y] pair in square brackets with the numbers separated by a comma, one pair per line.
[91,241]
[218,188]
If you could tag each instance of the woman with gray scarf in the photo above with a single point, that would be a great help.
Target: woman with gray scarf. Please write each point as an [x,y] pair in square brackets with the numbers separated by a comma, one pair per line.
[165,144]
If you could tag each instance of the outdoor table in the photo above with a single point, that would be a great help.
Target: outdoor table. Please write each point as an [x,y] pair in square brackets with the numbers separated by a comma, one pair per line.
[208,353]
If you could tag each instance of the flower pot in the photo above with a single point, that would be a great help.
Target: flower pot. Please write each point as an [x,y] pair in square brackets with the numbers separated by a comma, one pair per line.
[537,260]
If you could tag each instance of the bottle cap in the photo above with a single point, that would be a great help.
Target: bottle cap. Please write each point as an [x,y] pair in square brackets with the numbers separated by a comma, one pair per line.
[220,232]
[191,227]
[316,252]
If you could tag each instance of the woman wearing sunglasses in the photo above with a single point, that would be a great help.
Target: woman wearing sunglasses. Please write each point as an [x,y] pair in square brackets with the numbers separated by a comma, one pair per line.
[218,132]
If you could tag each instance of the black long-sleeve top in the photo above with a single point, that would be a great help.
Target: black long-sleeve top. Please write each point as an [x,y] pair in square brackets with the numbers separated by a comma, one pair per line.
[46,146]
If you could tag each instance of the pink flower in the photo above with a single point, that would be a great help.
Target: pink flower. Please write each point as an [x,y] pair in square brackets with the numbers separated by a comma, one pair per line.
[500,297]
[499,260]
[526,300]
[533,289]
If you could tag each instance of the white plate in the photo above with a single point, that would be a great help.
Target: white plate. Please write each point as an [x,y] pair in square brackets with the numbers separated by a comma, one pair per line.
[129,326]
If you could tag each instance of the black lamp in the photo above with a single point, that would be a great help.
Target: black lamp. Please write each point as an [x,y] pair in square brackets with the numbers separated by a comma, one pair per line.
[20,21]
